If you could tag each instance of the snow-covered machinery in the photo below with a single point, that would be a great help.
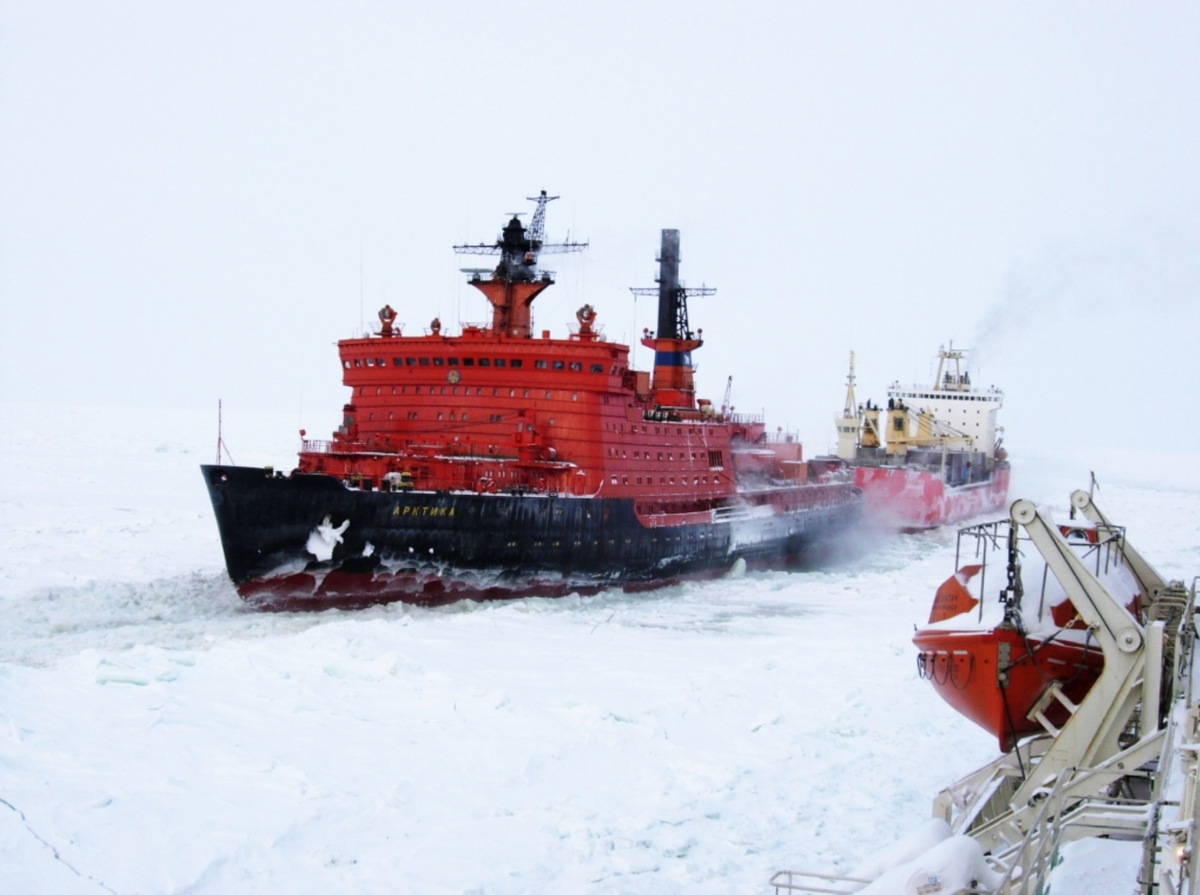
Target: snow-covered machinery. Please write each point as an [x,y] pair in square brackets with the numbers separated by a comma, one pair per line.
[1118,774]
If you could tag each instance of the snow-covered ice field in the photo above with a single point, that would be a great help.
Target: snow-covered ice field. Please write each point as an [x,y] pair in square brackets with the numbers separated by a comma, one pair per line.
[158,737]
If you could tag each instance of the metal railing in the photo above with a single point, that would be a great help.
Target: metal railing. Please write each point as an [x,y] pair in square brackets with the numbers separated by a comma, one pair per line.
[315,446]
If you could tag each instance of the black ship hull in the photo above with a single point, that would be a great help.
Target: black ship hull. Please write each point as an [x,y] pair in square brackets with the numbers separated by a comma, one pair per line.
[308,540]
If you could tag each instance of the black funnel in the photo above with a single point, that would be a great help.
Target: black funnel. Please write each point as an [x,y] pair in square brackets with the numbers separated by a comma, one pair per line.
[668,286]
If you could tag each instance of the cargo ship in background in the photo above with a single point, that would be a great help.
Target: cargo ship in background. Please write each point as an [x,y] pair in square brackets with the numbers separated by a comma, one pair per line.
[496,463]
[934,456]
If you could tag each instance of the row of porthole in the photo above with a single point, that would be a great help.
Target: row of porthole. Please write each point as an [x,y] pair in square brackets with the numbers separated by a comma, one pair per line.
[640,455]
[515,363]
[945,397]
[658,430]
[663,480]
[512,392]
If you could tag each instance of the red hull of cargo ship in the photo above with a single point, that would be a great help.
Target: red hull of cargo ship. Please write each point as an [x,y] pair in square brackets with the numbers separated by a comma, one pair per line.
[902,497]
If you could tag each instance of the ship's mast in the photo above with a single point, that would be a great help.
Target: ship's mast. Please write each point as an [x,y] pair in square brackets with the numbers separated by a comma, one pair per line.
[674,341]
[851,405]
[849,424]
[517,281]
[947,381]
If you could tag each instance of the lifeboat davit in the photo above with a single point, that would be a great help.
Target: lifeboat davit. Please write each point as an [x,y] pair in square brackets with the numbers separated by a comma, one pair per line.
[1018,665]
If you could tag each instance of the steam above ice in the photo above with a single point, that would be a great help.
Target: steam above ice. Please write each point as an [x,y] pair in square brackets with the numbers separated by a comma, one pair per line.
[1094,341]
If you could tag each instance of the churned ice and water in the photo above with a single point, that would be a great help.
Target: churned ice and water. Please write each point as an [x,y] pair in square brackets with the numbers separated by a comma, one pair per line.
[158,736]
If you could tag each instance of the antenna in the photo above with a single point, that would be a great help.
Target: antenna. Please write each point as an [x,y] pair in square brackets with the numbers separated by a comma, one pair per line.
[537,227]
[360,288]
[220,440]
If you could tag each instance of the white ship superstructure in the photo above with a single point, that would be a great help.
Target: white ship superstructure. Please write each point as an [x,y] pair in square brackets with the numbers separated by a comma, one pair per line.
[950,408]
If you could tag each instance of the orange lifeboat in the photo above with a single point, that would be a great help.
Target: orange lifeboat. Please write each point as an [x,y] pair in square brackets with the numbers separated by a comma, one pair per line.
[1016,665]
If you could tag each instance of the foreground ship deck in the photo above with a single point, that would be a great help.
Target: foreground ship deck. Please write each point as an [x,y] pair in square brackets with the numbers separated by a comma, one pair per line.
[1114,761]
[493,463]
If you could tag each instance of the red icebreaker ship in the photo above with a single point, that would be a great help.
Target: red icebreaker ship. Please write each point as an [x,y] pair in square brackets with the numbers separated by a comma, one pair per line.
[494,462]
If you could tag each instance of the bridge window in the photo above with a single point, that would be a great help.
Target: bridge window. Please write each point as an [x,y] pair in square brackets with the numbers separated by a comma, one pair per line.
[576,367]
[438,362]
[379,362]
[410,361]
[346,364]
[397,362]
[499,362]
[370,361]
[468,361]
[557,365]
[597,368]
[517,362]
[484,362]
[357,362]
[539,365]
[424,361]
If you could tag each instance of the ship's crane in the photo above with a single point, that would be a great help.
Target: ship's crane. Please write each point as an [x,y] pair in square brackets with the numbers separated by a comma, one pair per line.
[725,408]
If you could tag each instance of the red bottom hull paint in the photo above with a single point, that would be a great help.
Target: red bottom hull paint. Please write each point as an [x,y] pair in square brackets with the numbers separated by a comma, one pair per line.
[900,497]
[964,668]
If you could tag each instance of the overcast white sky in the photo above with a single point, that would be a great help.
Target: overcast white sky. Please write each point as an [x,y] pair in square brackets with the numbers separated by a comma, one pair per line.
[185,190]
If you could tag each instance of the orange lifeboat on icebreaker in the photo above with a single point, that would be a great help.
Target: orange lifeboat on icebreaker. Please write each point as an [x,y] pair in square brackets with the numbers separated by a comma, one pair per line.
[1019,665]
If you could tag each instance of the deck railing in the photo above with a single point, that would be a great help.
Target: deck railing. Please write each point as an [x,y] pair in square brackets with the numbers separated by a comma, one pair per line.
[315,446]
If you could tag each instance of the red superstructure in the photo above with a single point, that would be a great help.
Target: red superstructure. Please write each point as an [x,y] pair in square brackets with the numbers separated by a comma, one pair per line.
[494,408]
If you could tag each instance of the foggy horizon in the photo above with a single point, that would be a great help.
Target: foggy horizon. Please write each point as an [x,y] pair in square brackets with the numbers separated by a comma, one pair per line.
[186,194]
